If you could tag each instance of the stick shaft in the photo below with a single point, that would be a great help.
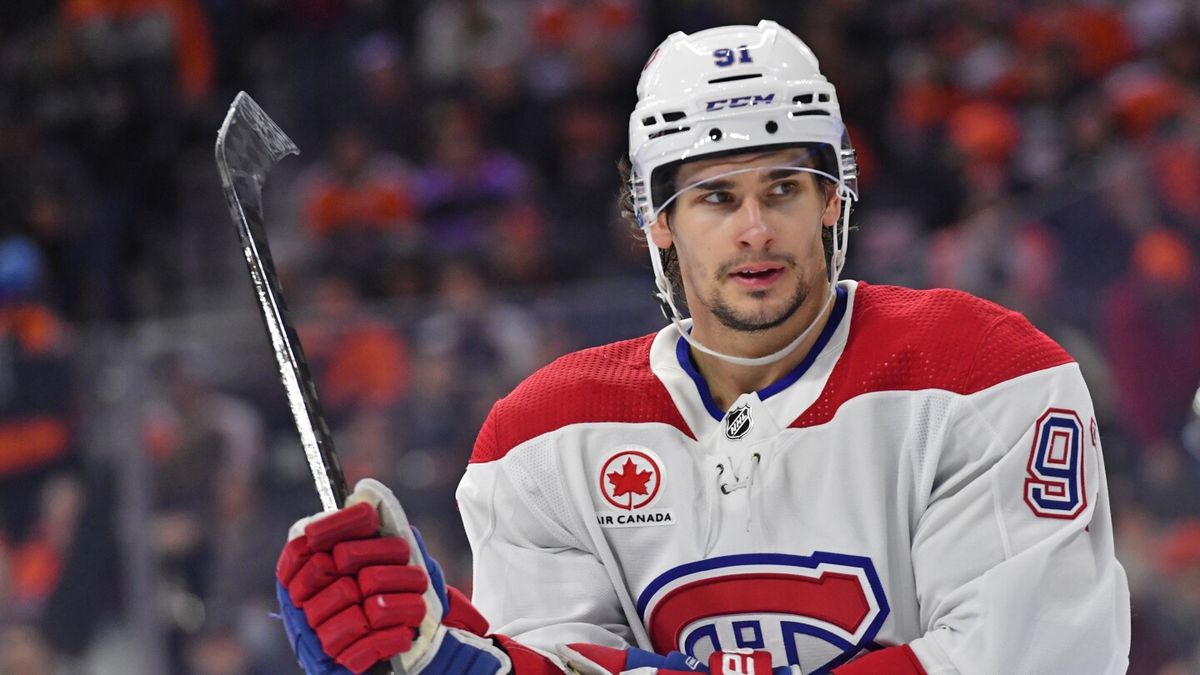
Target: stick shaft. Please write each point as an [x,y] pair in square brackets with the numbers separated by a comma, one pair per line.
[248,144]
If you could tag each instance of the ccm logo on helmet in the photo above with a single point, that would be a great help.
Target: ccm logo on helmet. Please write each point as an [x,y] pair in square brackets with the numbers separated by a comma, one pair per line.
[816,611]
[739,102]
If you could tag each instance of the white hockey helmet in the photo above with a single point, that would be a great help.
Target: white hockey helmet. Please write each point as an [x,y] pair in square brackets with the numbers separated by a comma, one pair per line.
[726,90]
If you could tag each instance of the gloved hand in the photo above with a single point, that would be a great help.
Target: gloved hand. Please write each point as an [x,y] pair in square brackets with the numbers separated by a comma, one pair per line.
[589,659]
[357,586]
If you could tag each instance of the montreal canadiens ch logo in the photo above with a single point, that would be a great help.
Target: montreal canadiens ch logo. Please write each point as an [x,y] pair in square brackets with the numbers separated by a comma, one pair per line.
[630,478]
[815,611]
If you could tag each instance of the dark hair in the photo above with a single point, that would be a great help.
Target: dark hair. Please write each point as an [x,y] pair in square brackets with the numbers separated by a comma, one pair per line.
[628,211]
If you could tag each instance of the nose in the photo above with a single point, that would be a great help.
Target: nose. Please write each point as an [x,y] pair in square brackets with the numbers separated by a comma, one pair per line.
[753,229]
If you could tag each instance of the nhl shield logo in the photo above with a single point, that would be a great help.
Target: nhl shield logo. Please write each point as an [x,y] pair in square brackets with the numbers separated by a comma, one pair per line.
[738,422]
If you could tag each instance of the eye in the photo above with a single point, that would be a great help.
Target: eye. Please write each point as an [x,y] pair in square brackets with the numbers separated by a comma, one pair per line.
[716,197]
[783,187]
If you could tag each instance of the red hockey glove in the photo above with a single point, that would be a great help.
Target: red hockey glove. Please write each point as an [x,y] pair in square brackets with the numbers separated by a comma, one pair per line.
[356,589]
[360,582]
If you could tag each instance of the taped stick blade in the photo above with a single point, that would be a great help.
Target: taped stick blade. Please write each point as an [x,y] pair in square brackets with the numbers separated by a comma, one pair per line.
[252,140]
[249,143]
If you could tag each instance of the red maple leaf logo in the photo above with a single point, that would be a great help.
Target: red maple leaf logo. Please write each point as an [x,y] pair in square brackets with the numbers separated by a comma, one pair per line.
[629,481]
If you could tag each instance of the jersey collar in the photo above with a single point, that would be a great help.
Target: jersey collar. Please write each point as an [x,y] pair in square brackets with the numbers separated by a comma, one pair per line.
[684,356]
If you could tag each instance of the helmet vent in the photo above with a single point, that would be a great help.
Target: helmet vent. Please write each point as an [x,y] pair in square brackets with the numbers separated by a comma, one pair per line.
[734,78]
[802,98]
[805,113]
[668,132]
[648,121]
[673,116]
[823,98]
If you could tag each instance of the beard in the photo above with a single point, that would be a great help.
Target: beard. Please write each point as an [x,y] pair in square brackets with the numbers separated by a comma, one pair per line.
[763,319]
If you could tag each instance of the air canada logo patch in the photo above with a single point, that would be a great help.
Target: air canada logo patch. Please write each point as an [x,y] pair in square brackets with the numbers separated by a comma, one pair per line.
[631,479]
[738,422]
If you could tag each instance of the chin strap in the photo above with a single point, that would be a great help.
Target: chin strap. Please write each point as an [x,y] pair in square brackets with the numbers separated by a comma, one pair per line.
[683,326]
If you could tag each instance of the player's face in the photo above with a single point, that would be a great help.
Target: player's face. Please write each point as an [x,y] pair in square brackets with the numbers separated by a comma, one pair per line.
[749,243]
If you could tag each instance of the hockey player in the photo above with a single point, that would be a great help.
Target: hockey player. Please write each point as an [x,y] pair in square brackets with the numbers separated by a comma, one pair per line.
[809,475]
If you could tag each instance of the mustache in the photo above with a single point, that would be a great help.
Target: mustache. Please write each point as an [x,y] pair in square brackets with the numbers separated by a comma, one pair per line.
[782,259]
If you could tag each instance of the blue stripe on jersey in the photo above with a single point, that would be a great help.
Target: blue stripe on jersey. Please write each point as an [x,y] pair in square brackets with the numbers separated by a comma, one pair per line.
[835,318]
[684,356]
[685,361]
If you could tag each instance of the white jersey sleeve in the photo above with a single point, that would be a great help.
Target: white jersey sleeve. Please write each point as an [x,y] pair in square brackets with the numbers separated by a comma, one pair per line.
[1013,555]
[533,578]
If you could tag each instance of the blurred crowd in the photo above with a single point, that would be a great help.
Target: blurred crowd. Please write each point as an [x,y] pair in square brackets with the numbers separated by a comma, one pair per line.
[451,225]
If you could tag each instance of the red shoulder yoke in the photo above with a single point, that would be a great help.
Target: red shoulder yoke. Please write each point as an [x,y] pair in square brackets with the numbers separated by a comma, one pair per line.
[906,340]
[612,383]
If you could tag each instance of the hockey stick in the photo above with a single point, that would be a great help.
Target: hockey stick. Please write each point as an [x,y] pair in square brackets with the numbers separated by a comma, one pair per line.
[248,145]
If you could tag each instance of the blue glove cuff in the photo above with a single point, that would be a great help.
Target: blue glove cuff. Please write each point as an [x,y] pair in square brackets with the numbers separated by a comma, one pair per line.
[457,658]
[436,580]
[304,640]
[640,658]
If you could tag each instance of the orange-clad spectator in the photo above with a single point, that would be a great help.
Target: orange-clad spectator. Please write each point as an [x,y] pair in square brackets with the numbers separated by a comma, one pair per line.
[195,59]
[36,566]
[985,136]
[1097,35]
[37,563]
[1176,166]
[582,47]
[1180,552]
[984,132]
[562,25]
[1151,329]
[1142,100]
[923,103]
[360,191]
[36,412]
[358,210]
[358,361]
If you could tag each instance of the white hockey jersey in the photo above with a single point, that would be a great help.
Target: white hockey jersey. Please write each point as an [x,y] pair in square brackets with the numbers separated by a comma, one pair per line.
[931,474]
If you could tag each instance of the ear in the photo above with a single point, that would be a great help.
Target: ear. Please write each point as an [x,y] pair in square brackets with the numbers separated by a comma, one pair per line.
[660,232]
[833,210]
